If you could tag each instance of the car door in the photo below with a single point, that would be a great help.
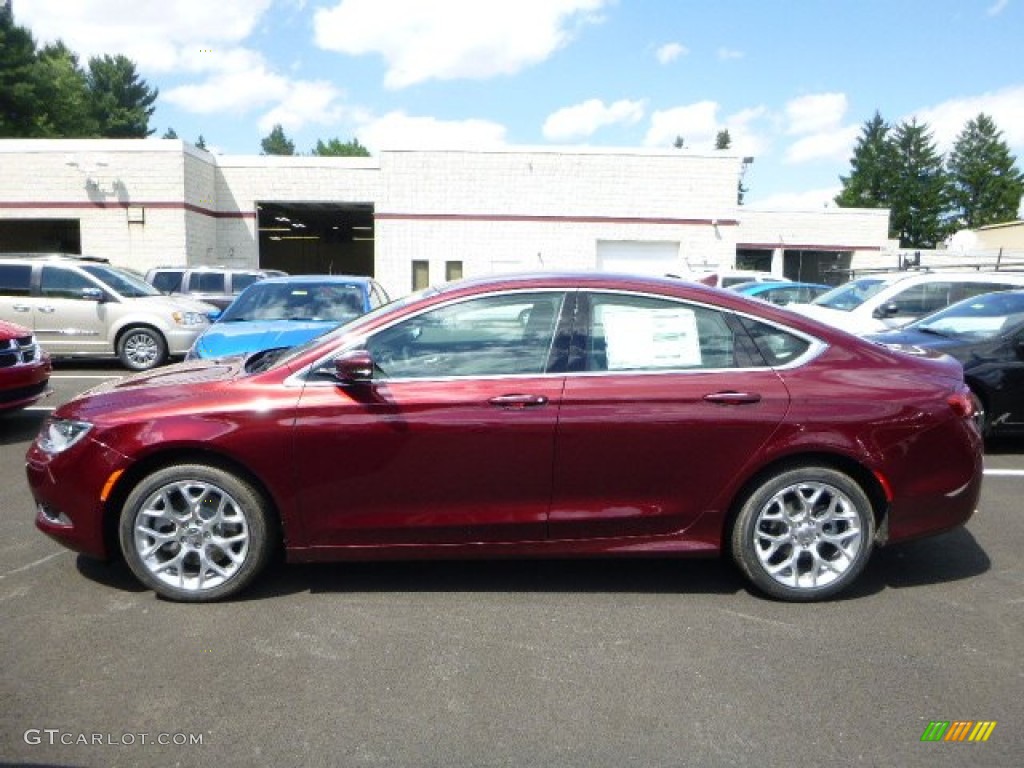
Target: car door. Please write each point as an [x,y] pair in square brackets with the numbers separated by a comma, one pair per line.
[16,302]
[452,442]
[67,320]
[672,403]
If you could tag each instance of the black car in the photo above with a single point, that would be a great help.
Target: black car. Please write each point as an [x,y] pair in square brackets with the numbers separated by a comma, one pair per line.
[986,334]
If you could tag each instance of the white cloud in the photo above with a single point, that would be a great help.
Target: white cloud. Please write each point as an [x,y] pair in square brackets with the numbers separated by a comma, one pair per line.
[836,144]
[452,39]
[696,123]
[582,120]
[305,102]
[245,83]
[809,200]
[158,35]
[397,130]
[669,52]
[727,54]
[997,7]
[1005,107]
[815,113]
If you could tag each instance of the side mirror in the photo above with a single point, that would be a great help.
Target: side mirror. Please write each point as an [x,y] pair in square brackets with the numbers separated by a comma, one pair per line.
[886,310]
[354,367]
[94,294]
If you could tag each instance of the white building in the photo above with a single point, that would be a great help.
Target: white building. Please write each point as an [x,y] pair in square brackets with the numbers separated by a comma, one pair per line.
[415,217]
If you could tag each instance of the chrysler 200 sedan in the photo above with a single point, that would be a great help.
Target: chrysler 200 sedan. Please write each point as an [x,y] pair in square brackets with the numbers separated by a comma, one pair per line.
[544,415]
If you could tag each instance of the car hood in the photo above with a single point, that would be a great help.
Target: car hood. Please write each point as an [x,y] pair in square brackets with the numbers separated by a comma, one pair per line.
[167,386]
[171,304]
[246,337]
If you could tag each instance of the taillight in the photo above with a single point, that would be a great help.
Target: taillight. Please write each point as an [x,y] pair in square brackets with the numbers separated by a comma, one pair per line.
[962,404]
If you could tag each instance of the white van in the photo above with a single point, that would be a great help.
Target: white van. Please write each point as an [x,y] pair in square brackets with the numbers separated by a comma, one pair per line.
[877,303]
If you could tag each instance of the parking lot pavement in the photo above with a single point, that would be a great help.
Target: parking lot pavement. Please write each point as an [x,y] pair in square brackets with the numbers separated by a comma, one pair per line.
[533,663]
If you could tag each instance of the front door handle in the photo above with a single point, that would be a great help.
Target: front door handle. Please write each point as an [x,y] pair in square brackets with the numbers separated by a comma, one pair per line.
[47,310]
[22,308]
[733,398]
[518,401]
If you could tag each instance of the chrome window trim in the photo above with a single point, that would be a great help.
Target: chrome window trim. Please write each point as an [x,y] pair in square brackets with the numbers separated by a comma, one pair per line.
[816,347]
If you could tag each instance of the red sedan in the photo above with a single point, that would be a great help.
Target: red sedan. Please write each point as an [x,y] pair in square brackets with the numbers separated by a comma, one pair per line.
[24,368]
[543,415]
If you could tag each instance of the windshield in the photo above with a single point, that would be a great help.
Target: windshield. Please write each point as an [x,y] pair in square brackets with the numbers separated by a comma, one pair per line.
[125,283]
[284,356]
[313,301]
[851,295]
[978,318]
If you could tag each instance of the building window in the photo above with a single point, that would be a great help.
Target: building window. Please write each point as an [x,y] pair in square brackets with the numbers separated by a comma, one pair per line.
[420,275]
[452,270]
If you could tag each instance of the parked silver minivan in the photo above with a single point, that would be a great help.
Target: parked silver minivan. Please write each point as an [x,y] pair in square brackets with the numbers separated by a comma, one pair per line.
[82,307]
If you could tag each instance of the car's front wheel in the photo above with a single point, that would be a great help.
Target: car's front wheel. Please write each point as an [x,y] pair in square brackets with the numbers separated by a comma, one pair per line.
[804,534]
[140,349]
[195,533]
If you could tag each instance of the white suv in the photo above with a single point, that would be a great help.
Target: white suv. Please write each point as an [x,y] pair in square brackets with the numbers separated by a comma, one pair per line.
[85,307]
[876,303]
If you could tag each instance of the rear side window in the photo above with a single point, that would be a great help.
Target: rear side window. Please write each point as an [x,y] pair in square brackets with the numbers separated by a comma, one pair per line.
[168,282]
[242,280]
[207,282]
[777,347]
[15,279]
[923,299]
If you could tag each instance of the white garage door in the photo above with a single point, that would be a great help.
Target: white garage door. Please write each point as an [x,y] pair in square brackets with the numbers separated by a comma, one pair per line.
[644,258]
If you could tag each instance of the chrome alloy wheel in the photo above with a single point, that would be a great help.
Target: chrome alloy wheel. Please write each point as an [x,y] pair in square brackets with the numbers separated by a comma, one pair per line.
[191,535]
[807,535]
[141,350]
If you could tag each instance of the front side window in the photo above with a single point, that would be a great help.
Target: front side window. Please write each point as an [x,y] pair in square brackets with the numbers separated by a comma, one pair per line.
[922,299]
[125,283]
[503,335]
[59,283]
[640,333]
[242,280]
[851,295]
[168,281]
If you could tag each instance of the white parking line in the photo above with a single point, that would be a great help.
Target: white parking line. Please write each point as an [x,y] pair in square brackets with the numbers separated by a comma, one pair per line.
[32,565]
[70,376]
[1005,472]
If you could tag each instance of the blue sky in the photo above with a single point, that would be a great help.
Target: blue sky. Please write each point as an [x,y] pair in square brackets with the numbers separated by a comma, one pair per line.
[792,80]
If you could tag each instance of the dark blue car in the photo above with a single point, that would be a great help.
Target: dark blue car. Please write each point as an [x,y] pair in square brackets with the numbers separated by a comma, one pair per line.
[286,311]
[986,334]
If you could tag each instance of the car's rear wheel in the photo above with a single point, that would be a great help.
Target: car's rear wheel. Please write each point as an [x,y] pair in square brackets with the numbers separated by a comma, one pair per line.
[195,533]
[140,349]
[804,534]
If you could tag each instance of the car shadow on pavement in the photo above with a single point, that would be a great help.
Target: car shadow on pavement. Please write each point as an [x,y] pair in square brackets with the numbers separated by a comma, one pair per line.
[20,426]
[942,559]
[950,557]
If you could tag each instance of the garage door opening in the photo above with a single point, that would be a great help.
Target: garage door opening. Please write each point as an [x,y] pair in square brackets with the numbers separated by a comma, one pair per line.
[41,236]
[317,238]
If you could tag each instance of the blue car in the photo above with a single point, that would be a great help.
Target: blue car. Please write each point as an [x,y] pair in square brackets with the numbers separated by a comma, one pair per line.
[286,311]
[783,292]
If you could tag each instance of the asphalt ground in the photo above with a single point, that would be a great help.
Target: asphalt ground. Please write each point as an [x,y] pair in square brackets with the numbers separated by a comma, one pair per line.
[513,663]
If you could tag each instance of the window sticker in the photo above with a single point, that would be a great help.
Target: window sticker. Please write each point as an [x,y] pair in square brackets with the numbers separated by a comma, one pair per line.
[645,337]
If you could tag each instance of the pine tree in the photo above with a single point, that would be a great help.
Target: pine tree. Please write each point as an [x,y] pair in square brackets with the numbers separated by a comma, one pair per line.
[19,99]
[919,193]
[338,148]
[276,143]
[122,102]
[985,185]
[872,168]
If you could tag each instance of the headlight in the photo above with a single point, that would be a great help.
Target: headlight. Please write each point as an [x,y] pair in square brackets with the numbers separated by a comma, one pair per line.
[57,435]
[190,318]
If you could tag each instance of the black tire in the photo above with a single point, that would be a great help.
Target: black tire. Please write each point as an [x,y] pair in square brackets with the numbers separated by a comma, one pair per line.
[195,533]
[804,534]
[141,348]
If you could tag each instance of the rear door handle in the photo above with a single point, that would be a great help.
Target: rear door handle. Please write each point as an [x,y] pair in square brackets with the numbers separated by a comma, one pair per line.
[22,308]
[47,310]
[518,401]
[733,398]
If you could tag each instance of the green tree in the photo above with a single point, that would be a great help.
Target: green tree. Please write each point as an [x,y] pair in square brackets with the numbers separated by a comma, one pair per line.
[121,101]
[170,133]
[985,186]
[723,140]
[338,148]
[919,193]
[276,143]
[872,168]
[64,93]
[201,142]
[679,143]
[19,99]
